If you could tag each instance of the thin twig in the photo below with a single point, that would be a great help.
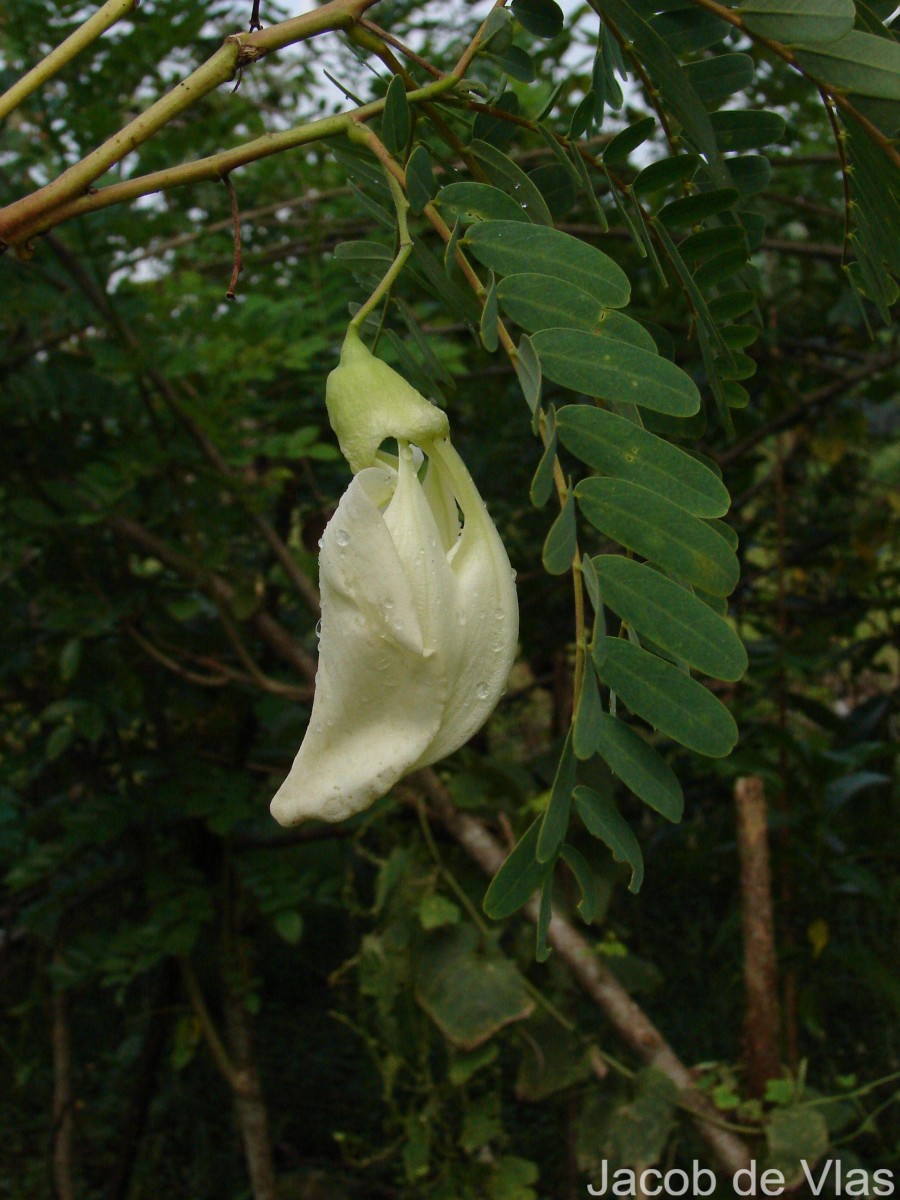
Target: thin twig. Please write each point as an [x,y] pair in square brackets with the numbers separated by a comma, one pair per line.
[236,223]
[208,1029]
[404,50]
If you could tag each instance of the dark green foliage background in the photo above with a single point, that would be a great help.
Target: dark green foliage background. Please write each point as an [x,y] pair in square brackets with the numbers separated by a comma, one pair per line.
[134,829]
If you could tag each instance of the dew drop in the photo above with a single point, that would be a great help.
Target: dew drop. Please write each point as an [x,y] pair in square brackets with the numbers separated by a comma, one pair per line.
[512,574]
[389,604]
[482,691]
[499,614]
[342,537]
[318,629]
[398,627]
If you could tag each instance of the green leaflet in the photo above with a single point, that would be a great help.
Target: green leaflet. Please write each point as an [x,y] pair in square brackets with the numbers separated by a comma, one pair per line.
[625,329]
[858,62]
[611,444]
[693,209]
[732,304]
[671,616]
[604,821]
[668,699]
[478,202]
[587,716]
[542,483]
[799,21]
[396,122]
[708,242]
[739,129]
[362,251]
[617,151]
[715,79]
[739,336]
[556,186]
[686,32]
[543,18]
[489,318]
[528,372]
[664,173]
[660,531]
[720,267]
[584,876]
[561,541]
[505,174]
[640,767]
[614,370]
[509,247]
[582,116]
[751,173]
[519,877]
[516,62]
[555,821]
[541,302]
[421,185]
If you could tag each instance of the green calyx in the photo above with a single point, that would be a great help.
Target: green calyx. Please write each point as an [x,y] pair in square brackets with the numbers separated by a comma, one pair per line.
[368,401]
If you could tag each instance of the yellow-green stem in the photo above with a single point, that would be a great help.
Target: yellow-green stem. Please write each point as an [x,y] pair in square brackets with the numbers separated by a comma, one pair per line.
[18,220]
[93,27]
[404,248]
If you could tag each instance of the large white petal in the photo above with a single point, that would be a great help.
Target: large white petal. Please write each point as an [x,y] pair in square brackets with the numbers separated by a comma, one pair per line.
[379,696]
[482,639]
[411,523]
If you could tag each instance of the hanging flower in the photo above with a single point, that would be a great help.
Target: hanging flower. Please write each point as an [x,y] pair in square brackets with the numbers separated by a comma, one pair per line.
[419,614]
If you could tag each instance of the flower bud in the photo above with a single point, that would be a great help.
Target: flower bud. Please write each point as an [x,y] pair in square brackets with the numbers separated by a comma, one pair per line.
[368,401]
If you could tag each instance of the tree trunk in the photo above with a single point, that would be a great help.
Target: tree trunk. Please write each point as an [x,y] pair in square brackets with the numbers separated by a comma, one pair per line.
[760,973]
[249,1104]
[146,1072]
[63,1100]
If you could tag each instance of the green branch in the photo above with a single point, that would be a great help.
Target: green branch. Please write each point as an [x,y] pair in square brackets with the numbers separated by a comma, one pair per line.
[73,45]
[404,248]
[209,169]
[22,219]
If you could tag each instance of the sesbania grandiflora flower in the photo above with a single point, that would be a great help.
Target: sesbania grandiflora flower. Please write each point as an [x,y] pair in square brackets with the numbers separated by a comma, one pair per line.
[419,615]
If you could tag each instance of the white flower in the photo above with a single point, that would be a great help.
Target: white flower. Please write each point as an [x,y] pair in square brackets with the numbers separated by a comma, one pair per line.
[419,615]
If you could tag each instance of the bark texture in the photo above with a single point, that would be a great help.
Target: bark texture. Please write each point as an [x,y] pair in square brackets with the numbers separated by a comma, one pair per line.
[761,1017]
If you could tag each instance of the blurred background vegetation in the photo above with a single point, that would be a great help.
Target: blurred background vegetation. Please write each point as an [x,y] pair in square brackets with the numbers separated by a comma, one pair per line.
[198,1004]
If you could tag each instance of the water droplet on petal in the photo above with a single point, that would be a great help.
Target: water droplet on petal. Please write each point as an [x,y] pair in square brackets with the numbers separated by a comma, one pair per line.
[482,691]
[342,537]
[499,614]
[318,629]
[398,627]
[512,574]
[389,604]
